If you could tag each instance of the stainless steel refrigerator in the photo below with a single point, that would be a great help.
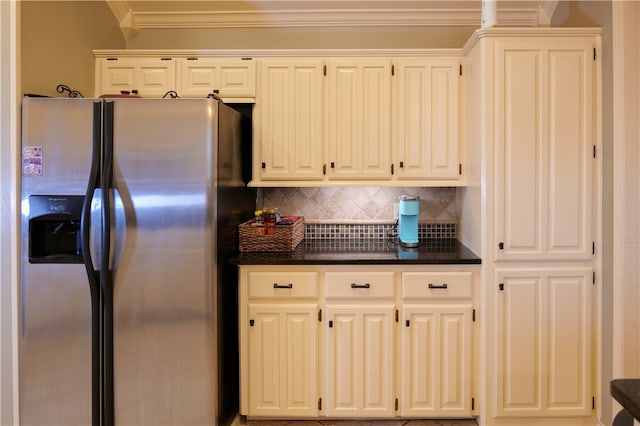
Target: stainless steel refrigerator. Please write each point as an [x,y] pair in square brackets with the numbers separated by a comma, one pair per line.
[127,305]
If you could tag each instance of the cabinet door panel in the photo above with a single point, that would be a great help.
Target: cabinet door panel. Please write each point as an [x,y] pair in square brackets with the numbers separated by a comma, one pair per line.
[519,151]
[360,361]
[544,342]
[376,137]
[570,151]
[569,343]
[520,357]
[544,145]
[151,77]
[265,346]
[289,122]
[283,360]
[233,78]
[359,116]
[427,135]
[436,365]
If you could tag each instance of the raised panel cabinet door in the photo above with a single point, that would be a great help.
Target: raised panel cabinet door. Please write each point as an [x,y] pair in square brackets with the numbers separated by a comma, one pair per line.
[233,78]
[151,77]
[436,361]
[570,137]
[520,154]
[569,342]
[290,133]
[544,149]
[427,118]
[115,75]
[283,370]
[359,117]
[360,361]
[520,358]
[543,362]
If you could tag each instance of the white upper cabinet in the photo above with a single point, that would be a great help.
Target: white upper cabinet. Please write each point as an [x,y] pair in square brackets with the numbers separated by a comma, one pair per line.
[428,118]
[359,119]
[288,120]
[320,120]
[189,77]
[151,77]
[233,78]
[545,115]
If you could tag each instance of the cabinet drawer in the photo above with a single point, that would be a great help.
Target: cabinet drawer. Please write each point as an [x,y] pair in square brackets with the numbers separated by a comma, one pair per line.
[283,284]
[359,285]
[437,285]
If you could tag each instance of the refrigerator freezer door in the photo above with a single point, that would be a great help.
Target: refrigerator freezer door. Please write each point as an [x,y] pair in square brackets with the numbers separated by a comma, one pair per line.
[55,318]
[164,262]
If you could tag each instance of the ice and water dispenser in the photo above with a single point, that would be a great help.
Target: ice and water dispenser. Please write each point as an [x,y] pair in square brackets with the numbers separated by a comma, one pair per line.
[54,228]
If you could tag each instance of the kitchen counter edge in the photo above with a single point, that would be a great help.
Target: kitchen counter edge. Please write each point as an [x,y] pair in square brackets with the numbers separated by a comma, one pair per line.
[449,252]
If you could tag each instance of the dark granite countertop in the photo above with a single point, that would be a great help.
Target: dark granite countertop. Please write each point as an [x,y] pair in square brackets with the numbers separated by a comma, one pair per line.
[367,252]
[627,393]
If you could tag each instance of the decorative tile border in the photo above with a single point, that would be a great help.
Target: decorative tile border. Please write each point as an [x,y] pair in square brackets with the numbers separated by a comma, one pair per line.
[379,246]
[426,231]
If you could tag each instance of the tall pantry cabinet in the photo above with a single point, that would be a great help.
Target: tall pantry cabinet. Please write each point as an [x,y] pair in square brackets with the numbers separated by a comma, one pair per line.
[532,109]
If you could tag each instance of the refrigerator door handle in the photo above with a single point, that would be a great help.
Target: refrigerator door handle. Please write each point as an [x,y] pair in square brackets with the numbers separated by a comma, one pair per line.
[106,276]
[92,274]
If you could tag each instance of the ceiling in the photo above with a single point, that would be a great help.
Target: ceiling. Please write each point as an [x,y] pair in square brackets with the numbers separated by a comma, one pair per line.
[134,15]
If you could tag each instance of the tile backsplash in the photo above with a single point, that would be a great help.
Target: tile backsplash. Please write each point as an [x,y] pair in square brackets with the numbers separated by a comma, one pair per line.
[376,232]
[358,205]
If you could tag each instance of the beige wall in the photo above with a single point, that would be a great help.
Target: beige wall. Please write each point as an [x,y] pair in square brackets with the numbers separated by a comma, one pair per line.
[57,38]
[302,38]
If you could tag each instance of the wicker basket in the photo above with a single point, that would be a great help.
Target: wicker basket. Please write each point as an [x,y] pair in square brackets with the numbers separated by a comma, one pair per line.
[284,237]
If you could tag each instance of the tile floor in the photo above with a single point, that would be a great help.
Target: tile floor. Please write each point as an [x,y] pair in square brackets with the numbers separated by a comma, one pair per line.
[448,422]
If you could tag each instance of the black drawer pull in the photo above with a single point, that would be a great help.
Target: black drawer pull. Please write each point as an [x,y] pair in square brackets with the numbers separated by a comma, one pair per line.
[276,285]
[437,286]
[354,285]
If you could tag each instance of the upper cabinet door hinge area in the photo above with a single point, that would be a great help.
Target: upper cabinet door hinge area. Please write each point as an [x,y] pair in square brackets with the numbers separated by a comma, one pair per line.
[460,69]
[594,53]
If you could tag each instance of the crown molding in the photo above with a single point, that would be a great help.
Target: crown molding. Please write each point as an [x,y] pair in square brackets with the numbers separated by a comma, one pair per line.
[125,17]
[496,32]
[329,18]
[352,14]
[278,53]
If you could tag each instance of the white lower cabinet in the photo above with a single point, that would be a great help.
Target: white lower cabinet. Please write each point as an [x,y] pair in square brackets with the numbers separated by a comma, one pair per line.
[437,346]
[283,359]
[544,346]
[436,363]
[343,342]
[360,343]
[360,361]
[279,343]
